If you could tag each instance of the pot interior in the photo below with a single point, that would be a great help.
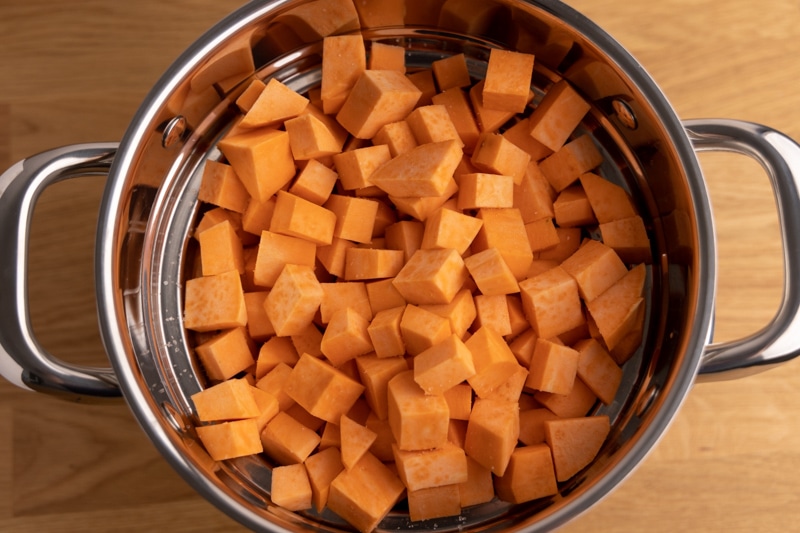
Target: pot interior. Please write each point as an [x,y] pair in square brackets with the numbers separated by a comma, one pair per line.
[163,155]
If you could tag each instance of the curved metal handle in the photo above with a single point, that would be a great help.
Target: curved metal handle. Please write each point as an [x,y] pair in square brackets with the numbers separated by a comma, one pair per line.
[778,341]
[23,362]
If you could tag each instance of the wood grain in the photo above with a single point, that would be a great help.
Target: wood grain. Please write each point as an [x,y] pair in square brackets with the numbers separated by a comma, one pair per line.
[76,71]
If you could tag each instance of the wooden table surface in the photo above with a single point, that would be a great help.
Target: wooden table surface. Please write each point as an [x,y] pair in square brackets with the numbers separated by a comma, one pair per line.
[75,71]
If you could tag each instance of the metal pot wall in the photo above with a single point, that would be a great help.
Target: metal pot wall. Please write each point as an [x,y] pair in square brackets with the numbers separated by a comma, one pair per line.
[150,204]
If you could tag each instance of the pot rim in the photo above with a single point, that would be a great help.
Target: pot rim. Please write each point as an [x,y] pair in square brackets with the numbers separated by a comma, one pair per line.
[111,311]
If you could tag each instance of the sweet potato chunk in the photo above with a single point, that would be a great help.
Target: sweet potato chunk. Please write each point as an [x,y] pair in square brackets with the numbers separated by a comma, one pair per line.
[575,442]
[418,421]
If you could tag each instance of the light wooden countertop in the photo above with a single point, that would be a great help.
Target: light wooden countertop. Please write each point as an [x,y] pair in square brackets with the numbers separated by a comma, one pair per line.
[76,71]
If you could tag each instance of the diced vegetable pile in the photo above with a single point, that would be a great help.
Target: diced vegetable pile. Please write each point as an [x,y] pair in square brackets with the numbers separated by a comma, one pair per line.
[397,294]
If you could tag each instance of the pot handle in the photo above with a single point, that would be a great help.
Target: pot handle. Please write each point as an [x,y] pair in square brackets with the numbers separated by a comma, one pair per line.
[23,361]
[779,340]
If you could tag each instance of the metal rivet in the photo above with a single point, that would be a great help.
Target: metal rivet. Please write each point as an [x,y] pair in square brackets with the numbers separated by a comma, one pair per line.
[174,131]
[625,113]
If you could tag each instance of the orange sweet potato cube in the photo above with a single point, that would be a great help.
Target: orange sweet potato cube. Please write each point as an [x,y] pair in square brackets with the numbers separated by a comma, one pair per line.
[508,80]
[375,373]
[385,334]
[220,250]
[339,75]
[262,158]
[229,400]
[628,237]
[556,117]
[248,97]
[572,208]
[371,263]
[275,251]
[338,295]
[300,218]
[226,354]
[230,439]
[492,312]
[569,240]
[615,311]
[491,273]
[595,267]
[216,216]
[267,404]
[489,120]
[274,382]
[443,366]
[494,362]
[458,107]
[287,441]
[258,215]
[492,433]
[422,469]
[377,98]
[497,155]
[609,201]
[530,475]
[542,234]
[346,336]
[531,424]
[479,487]
[551,302]
[480,189]
[434,502]
[355,167]
[451,72]
[460,312]
[334,256]
[324,391]
[314,183]
[425,170]
[459,400]
[421,329]
[422,207]
[322,468]
[575,442]
[418,421]
[598,370]
[214,302]
[553,367]
[405,235]
[571,161]
[274,351]
[308,341]
[387,57]
[446,228]
[293,300]
[382,447]
[311,138]
[432,123]
[522,346]
[221,186]
[534,195]
[397,136]
[355,217]
[364,494]
[575,404]
[519,134]
[504,230]
[431,277]
[291,488]
[355,439]
[276,103]
[259,328]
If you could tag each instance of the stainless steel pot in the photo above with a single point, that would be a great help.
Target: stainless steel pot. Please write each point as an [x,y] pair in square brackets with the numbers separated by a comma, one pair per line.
[150,204]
